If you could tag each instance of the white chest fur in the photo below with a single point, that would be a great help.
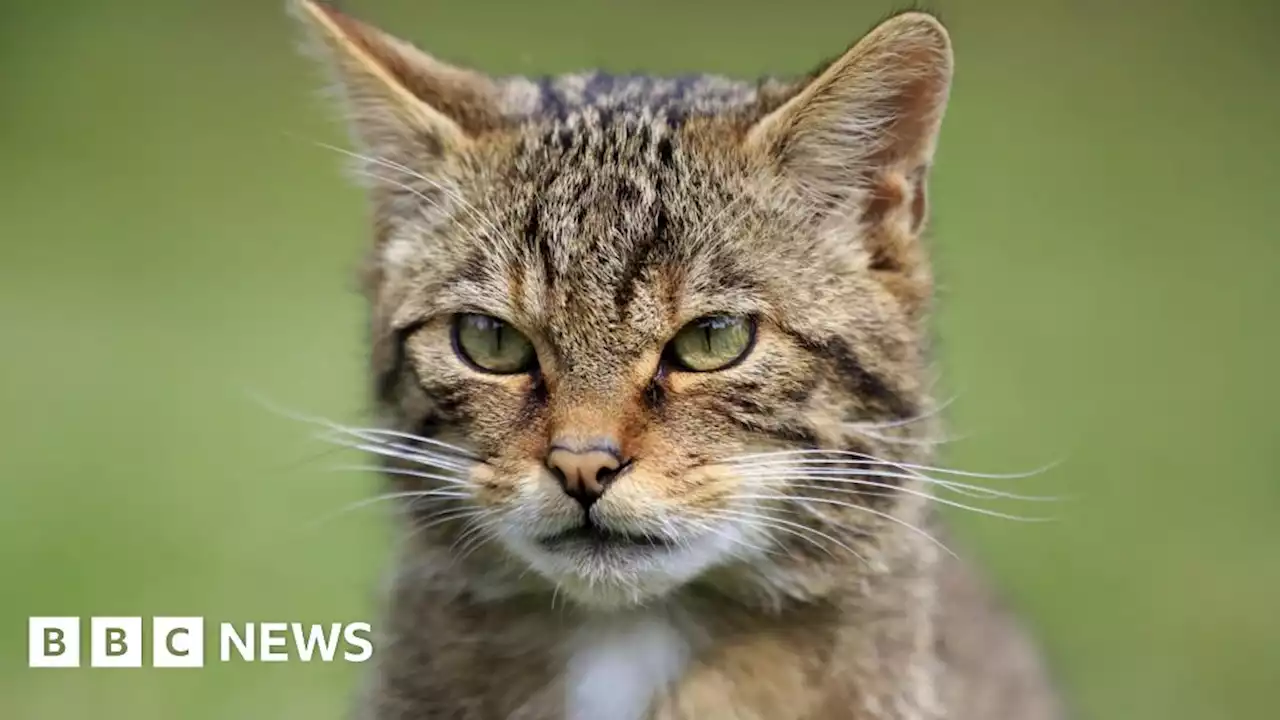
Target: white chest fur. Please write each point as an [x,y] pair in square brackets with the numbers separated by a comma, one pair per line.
[617,665]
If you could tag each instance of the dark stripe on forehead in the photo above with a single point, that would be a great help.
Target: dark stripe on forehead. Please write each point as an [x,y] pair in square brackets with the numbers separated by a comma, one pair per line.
[533,225]
[660,238]
[666,153]
[625,291]
[643,256]
[476,268]
[535,244]
[566,149]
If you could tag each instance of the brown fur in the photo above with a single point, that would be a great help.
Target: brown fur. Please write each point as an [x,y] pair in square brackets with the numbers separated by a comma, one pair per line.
[599,215]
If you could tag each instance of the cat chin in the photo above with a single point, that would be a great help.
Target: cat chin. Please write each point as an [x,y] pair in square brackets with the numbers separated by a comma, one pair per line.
[620,578]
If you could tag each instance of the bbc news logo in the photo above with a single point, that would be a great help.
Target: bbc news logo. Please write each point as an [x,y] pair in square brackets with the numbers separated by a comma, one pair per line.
[178,642]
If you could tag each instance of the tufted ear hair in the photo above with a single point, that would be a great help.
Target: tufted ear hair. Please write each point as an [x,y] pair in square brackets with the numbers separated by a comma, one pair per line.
[398,98]
[859,137]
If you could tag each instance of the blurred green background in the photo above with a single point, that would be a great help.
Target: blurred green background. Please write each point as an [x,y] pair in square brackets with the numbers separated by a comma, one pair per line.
[173,241]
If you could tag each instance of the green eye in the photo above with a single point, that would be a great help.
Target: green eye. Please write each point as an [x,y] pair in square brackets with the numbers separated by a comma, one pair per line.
[491,344]
[712,343]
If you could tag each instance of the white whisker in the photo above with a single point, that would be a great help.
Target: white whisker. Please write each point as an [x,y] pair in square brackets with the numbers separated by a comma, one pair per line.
[853,506]
[836,482]
[445,516]
[368,434]
[385,497]
[964,489]
[401,472]
[416,458]
[830,457]
[739,541]
[472,536]
[774,522]
[361,433]
[918,442]
[931,412]
[450,193]
[407,452]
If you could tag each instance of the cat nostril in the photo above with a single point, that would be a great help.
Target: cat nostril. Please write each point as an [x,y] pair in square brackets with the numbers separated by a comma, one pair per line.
[558,473]
[606,475]
[584,475]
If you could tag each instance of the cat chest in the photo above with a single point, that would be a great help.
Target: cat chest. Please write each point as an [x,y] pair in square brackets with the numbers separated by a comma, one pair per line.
[615,668]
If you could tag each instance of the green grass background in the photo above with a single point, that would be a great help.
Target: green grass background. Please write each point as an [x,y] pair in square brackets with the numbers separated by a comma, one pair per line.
[173,241]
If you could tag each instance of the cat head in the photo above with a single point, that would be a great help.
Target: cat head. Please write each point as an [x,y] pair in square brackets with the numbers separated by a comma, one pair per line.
[649,333]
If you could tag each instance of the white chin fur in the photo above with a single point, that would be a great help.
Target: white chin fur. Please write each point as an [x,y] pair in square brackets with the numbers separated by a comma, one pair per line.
[619,578]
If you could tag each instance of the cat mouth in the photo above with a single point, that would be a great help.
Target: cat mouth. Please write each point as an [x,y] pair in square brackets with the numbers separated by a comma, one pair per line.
[589,534]
[616,566]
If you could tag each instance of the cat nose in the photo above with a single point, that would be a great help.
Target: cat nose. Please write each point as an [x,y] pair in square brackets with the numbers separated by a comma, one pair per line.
[585,470]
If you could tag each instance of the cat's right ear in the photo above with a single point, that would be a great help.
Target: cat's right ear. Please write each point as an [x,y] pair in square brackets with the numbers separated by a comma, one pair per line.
[400,100]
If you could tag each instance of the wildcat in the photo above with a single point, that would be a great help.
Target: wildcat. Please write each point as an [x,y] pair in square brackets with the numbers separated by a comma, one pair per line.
[650,356]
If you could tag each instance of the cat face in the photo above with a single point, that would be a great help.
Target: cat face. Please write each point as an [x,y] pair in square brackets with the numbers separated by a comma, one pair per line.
[670,331]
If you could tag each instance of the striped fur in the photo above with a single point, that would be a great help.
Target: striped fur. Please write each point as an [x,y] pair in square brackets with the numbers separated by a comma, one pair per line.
[598,215]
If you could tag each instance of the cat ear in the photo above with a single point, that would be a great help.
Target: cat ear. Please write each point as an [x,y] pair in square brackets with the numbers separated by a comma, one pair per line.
[400,98]
[859,137]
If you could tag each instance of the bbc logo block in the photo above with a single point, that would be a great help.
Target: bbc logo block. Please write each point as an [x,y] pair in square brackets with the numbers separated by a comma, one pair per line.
[115,642]
[179,642]
[53,642]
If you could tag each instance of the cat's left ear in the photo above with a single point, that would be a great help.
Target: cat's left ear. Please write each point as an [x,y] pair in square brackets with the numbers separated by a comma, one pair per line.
[858,139]
[403,104]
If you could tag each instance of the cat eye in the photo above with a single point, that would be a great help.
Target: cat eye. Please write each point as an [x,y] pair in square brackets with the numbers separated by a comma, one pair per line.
[712,343]
[492,345]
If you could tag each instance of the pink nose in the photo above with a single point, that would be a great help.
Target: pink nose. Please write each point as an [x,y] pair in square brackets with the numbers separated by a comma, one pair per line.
[584,474]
